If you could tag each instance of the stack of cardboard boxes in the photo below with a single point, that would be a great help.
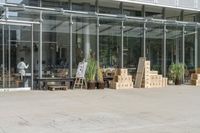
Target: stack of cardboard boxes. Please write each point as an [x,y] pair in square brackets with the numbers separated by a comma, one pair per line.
[152,79]
[195,79]
[122,80]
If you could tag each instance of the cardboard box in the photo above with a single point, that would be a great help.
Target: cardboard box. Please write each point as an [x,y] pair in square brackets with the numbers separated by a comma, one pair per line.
[122,72]
[130,78]
[164,82]
[118,78]
[195,82]
[195,76]
[121,78]
[128,85]
[160,77]
[147,64]
[198,70]
[154,72]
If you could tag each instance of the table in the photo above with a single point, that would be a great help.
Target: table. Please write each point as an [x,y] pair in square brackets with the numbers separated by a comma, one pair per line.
[42,82]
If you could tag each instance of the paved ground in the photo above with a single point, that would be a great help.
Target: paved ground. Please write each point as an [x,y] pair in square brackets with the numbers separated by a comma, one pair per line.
[168,110]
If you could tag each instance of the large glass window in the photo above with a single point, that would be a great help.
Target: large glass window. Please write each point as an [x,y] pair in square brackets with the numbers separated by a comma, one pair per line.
[133,35]
[132,9]
[55,45]
[110,43]
[109,7]
[26,2]
[190,47]
[174,44]
[15,1]
[55,4]
[16,48]
[198,39]
[22,14]
[84,39]
[155,12]
[2,1]
[154,42]
[83,5]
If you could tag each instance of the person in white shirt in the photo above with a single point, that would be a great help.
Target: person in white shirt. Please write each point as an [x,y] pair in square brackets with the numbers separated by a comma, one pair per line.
[21,66]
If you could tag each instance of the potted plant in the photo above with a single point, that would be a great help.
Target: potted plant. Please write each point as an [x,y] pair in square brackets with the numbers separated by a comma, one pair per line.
[176,72]
[91,73]
[100,81]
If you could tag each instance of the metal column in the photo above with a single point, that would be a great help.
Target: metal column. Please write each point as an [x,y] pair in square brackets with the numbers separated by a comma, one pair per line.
[164,51]
[71,42]
[40,44]
[196,48]
[122,45]
[183,49]
[122,37]
[32,55]
[144,40]
[9,60]
[164,47]
[144,31]
[97,32]
[3,56]
[40,48]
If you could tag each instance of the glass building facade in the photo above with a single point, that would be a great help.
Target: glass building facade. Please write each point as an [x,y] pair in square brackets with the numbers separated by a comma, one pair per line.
[54,36]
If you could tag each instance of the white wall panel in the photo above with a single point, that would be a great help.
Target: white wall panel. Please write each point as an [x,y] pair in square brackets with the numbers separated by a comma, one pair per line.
[185,4]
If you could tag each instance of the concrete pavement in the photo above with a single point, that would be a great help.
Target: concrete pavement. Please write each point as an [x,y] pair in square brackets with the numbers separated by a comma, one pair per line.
[175,109]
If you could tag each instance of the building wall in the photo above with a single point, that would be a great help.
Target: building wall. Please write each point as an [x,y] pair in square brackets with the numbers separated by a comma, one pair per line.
[192,4]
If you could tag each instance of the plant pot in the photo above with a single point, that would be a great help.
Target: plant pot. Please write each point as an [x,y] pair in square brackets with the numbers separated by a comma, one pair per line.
[177,82]
[91,85]
[100,85]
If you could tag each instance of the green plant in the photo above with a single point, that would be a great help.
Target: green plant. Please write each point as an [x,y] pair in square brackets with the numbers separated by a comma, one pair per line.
[176,71]
[100,74]
[91,69]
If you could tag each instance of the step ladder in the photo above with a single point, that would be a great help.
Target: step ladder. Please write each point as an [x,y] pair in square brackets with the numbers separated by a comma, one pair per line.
[80,83]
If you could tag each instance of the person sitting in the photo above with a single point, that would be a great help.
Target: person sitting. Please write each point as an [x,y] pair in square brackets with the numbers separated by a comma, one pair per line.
[21,66]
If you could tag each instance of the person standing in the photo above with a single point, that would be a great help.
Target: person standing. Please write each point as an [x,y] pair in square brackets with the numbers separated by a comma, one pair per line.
[21,66]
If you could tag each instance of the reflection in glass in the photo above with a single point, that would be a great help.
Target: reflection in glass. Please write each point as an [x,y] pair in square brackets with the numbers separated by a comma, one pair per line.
[190,48]
[154,44]
[133,35]
[17,45]
[55,57]
[84,39]
[110,42]
[174,44]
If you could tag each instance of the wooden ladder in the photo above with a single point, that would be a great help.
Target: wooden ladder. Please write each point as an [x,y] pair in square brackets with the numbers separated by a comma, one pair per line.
[80,83]
[140,72]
